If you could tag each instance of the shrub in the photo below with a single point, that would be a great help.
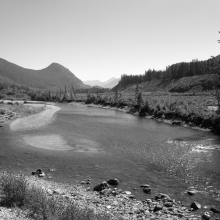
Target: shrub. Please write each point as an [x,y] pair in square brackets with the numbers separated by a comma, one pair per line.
[144,109]
[39,204]
[57,207]
[14,188]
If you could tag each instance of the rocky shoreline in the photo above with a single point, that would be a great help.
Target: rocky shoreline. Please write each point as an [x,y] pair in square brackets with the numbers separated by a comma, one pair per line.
[119,204]
[7,115]
[11,110]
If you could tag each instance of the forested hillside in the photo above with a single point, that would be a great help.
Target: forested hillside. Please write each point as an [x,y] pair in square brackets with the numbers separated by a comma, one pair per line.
[180,77]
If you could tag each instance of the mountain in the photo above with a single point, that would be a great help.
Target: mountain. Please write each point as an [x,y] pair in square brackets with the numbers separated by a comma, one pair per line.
[93,82]
[53,77]
[112,83]
[107,84]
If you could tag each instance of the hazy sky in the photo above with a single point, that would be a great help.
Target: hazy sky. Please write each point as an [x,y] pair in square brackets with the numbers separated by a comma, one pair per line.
[99,39]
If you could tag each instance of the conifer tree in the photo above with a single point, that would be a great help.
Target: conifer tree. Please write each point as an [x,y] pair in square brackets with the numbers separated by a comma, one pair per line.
[136,93]
[88,95]
[140,100]
[217,90]
[116,95]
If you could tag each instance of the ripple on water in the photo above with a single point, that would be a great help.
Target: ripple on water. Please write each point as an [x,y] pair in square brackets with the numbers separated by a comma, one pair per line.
[193,161]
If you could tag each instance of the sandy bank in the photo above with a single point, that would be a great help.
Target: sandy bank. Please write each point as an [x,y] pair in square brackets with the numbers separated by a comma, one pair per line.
[35,121]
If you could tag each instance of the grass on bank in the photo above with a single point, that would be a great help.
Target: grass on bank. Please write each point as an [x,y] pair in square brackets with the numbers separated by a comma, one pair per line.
[20,109]
[16,191]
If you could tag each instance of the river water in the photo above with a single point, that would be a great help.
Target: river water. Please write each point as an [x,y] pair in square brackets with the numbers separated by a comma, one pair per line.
[84,142]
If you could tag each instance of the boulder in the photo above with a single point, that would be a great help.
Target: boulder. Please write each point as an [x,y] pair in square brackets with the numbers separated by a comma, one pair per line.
[113,182]
[106,192]
[114,193]
[146,190]
[206,216]
[101,186]
[195,205]
[127,192]
[215,210]
[191,192]
[164,196]
[168,204]
[39,173]
[158,208]
[131,196]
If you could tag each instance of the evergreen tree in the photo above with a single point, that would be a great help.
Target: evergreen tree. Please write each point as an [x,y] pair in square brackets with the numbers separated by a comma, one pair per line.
[116,95]
[140,100]
[217,90]
[136,93]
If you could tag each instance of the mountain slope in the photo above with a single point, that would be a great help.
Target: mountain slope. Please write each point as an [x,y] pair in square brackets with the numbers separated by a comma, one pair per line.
[53,77]
[197,83]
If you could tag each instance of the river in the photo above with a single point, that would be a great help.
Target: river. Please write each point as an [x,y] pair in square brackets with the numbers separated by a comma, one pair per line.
[85,142]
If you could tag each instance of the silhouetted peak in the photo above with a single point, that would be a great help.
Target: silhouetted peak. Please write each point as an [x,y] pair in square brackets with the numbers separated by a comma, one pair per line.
[56,67]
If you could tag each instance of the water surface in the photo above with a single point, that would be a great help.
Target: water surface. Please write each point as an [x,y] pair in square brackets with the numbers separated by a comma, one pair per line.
[93,143]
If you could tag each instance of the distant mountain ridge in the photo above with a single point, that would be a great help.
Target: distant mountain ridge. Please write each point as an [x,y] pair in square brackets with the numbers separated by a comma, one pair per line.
[107,84]
[53,77]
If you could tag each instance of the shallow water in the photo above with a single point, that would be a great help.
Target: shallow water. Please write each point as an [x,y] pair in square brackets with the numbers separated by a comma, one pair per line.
[94,143]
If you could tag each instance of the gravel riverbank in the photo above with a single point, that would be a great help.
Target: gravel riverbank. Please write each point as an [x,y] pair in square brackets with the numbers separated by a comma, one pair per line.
[116,203]
[35,121]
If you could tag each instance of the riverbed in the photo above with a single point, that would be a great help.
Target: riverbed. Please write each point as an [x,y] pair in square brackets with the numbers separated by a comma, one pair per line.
[84,142]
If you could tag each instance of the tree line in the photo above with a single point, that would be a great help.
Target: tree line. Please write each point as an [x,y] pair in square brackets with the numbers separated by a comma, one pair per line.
[175,71]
